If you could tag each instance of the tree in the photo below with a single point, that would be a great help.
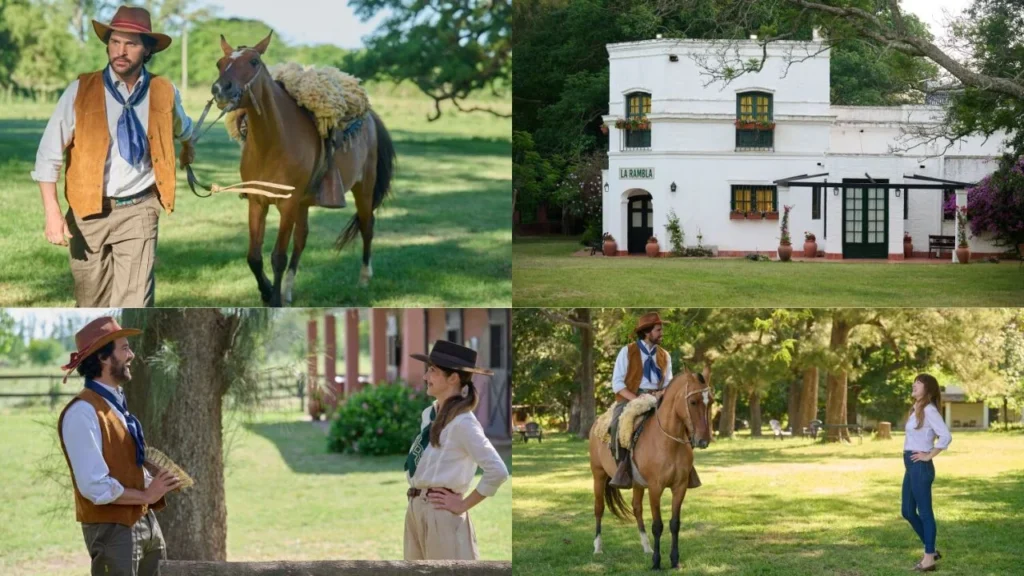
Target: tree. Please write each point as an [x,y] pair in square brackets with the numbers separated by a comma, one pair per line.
[449,50]
[8,335]
[996,205]
[44,352]
[193,359]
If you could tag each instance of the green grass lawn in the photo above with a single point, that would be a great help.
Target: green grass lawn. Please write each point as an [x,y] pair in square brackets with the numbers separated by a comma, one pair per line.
[443,238]
[546,274]
[791,507]
[287,499]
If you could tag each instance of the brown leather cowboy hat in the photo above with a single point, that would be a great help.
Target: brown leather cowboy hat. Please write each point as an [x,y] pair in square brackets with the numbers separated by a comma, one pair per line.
[92,337]
[133,20]
[648,320]
[450,355]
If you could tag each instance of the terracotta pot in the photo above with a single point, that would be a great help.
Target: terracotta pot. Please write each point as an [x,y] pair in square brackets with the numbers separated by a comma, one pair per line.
[737,216]
[653,249]
[604,129]
[610,248]
[785,252]
[810,249]
[908,249]
[963,255]
[771,216]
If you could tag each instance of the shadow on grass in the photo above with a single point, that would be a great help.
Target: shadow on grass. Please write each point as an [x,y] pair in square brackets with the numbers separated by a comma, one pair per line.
[303,446]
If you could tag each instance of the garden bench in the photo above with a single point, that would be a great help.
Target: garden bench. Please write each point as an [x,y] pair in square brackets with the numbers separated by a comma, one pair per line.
[812,429]
[938,243]
[532,430]
[596,247]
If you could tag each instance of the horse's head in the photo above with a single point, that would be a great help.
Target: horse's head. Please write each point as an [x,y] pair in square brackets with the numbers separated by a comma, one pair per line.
[238,69]
[691,396]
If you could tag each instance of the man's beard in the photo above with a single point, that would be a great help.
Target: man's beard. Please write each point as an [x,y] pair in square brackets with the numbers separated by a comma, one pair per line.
[130,71]
[655,341]
[120,372]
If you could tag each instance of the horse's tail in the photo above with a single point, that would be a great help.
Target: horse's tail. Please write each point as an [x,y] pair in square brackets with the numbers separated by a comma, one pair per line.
[382,185]
[613,499]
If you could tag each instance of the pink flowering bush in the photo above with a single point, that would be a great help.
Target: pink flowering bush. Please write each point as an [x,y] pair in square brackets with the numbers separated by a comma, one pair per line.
[996,205]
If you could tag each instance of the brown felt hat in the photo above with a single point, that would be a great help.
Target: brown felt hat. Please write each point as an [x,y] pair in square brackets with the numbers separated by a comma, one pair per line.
[450,355]
[648,320]
[92,337]
[133,20]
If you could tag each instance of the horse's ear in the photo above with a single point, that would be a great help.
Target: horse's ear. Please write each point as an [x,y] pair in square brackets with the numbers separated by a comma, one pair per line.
[686,370]
[262,46]
[225,46]
[707,374]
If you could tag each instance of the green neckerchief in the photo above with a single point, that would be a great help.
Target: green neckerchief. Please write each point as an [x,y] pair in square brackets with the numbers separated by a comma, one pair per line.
[419,444]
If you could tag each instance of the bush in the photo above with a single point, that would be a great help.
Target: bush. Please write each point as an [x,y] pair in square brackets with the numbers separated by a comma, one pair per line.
[676,238]
[378,420]
[592,234]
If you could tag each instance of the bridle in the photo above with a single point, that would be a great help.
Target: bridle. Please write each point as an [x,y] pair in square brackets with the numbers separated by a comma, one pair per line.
[706,396]
[241,186]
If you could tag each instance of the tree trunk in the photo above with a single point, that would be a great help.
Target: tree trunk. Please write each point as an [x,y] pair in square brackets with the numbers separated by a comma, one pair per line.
[727,418]
[588,402]
[835,409]
[809,398]
[755,414]
[793,405]
[884,431]
[574,413]
[181,415]
[852,402]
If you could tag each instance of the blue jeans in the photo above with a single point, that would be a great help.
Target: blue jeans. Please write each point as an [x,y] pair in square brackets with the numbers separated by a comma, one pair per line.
[917,499]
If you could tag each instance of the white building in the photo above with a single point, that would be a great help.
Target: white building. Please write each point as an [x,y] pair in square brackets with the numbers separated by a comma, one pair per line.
[697,158]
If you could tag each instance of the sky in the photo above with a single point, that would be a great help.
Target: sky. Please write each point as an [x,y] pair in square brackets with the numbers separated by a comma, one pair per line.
[47,317]
[931,12]
[303,21]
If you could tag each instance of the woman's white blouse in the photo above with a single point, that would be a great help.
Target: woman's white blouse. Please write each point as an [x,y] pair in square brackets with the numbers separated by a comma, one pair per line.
[923,440]
[463,447]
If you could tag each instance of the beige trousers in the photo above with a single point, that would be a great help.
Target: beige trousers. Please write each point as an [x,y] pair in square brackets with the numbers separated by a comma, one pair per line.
[112,256]
[432,534]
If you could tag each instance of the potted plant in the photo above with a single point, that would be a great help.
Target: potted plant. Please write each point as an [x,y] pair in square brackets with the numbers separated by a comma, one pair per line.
[737,215]
[633,123]
[810,245]
[653,249]
[785,244]
[755,125]
[604,129]
[771,215]
[963,251]
[908,245]
[609,247]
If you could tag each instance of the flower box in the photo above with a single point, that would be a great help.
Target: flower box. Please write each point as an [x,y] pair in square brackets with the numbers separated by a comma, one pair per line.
[749,125]
[771,215]
[737,216]
[753,215]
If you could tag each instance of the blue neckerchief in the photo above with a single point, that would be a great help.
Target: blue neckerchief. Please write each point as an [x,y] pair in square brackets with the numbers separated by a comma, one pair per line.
[131,135]
[651,370]
[134,426]
[419,444]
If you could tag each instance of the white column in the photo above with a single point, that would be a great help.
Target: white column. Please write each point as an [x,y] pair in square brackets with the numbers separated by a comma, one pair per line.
[961,201]
[984,415]
[949,415]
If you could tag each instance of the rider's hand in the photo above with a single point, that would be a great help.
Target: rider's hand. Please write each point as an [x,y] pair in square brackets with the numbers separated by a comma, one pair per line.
[57,231]
[188,153]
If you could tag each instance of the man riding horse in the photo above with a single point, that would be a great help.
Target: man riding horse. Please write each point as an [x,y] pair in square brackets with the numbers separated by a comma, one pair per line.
[642,367]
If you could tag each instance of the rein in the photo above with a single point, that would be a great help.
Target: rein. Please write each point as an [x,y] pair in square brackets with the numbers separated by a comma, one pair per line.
[241,187]
[657,415]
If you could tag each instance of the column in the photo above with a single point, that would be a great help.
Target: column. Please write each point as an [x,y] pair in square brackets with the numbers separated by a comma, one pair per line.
[378,346]
[352,350]
[413,342]
[312,379]
[331,355]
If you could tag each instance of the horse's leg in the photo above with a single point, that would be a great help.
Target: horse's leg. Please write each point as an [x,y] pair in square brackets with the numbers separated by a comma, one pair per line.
[257,227]
[638,511]
[599,485]
[301,232]
[656,525]
[363,193]
[677,504]
[279,257]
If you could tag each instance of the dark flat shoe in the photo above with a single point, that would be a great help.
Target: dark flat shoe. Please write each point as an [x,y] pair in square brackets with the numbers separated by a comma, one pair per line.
[938,556]
[918,568]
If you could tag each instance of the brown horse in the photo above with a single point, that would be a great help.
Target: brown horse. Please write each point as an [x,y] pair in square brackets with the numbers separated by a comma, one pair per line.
[282,145]
[663,456]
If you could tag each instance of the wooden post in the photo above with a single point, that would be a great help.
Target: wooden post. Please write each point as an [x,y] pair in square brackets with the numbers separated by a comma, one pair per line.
[884,431]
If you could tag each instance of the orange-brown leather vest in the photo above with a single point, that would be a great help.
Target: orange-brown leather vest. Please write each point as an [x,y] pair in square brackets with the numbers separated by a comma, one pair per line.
[635,368]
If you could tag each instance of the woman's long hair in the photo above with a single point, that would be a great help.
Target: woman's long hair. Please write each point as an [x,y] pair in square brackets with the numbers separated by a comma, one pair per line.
[454,405]
[932,395]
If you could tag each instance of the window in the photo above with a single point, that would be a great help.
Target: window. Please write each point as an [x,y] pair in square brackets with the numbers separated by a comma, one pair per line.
[394,347]
[754,125]
[453,326]
[754,199]
[638,105]
[906,204]
[816,193]
[948,204]
[497,342]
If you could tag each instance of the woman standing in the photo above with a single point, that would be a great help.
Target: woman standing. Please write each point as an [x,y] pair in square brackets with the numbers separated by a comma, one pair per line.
[444,458]
[924,425]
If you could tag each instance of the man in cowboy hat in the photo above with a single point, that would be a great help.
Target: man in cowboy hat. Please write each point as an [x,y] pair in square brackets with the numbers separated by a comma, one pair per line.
[118,127]
[642,367]
[103,444]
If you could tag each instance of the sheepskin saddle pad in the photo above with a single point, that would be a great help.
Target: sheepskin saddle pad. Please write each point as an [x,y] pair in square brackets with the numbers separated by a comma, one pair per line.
[630,422]
[336,99]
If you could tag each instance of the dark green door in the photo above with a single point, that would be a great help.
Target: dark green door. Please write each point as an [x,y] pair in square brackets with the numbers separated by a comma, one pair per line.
[641,223]
[865,222]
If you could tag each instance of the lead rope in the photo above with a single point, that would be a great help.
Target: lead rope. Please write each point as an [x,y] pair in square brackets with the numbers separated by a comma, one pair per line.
[241,187]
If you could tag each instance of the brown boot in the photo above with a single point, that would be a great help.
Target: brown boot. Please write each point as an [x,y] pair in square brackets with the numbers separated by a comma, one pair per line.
[623,475]
[694,479]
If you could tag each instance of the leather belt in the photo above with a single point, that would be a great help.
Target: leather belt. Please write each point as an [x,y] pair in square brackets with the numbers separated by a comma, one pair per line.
[415,492]
[123,202]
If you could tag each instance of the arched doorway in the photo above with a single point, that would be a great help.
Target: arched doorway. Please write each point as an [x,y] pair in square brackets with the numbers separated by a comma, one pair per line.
[639,221]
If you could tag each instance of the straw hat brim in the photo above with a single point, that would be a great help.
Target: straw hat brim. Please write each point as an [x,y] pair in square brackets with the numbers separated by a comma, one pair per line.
[162,40]
[470,369]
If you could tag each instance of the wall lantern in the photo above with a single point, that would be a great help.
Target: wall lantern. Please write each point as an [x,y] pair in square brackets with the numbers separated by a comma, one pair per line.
[605,187]
[673,187]
[897,192]
[835,191]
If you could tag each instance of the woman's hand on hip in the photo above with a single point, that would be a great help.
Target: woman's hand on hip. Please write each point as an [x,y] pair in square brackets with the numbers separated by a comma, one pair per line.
[446,500]
[921,456]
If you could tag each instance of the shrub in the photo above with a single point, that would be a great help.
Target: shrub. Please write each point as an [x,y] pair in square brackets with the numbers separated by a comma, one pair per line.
[676,238]
[592,234]
[378,420]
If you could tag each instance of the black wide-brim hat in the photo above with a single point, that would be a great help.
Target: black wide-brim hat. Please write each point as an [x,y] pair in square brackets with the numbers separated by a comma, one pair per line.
[450,355]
